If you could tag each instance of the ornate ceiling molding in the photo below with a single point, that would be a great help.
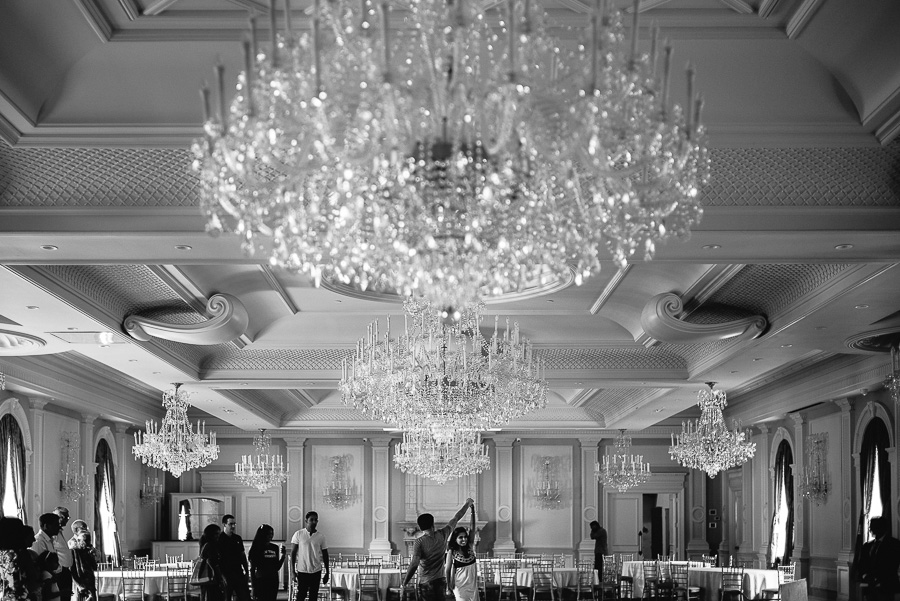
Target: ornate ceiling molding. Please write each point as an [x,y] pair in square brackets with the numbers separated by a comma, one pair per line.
[229,320]
[875,341]
[17,344]
[660,320]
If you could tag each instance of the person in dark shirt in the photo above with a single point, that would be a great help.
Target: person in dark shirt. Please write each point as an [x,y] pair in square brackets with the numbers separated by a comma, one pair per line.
[598,533]
[879,561]
[233,560]
[209,550]
[428,556]
[265,564]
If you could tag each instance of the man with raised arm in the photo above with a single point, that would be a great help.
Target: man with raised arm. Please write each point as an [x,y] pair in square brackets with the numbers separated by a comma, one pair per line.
[428,556]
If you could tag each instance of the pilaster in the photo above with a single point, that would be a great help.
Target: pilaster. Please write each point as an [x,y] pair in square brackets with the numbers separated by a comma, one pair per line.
[504,472]
[126,479]
[36,473]
[765,478]
[590,495]
[801,505]
[695,499]
[294,485]
[86,435]
[845,555]
[381,472]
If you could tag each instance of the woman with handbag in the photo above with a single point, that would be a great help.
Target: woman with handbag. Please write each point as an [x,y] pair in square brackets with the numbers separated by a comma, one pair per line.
[461,567]
[214,589]
[265,564]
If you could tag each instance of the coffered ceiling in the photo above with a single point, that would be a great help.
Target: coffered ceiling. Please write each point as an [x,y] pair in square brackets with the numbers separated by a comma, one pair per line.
[99,222]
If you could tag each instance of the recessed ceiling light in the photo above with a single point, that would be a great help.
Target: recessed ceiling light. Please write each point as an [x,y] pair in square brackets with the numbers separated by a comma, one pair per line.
[843,247]
[786,345]
[821,327]
[244,384]
[550,300]
[132,360]
[711,246]
[861,307]
[757,358]
[71,328]
[156,373]
[660,410]
[32,307]
[337,300]
[104,346]
[49,247]
[578,383]
[183,247]
[228,410]
[309,383]
[734,371]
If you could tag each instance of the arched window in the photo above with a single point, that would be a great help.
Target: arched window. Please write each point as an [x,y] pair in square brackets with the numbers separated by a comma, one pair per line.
[875,478]
[105,493]
[782,539]
[12,468]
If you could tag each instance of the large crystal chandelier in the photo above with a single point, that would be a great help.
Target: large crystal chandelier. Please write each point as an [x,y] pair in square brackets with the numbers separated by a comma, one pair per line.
[451,455]
[261,470]
[815,478]
[452,149]
[443,374]
[707,444]
[621,469]
[174,445]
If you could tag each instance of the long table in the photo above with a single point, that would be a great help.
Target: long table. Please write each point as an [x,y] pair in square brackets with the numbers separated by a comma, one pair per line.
[709,579]
[347,578]
[109,582]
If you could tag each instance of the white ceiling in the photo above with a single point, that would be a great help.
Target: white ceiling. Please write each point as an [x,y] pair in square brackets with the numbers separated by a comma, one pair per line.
[99,103]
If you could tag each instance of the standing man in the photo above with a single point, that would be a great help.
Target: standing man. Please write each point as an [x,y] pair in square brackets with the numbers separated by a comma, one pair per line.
[309,554]
[428,556]
[64,553]
[233,561]
[601,548]
[879,561]
[49,560]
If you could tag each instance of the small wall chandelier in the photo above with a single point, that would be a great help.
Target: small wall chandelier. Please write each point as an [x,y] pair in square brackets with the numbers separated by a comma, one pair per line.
[621,469]
[447,456]
[151,492]
[815,478]
[707,444]
[261,470]
[73,483]
[452,150]
[174,445]
[340,493]
[441,373]
[892,382]
[546,490]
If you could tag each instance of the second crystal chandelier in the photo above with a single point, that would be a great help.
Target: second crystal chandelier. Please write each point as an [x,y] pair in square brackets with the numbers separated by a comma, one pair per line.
[450,151]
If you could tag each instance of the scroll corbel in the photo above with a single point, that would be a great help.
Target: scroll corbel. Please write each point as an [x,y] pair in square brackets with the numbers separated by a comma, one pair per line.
[660,321]
[228,320]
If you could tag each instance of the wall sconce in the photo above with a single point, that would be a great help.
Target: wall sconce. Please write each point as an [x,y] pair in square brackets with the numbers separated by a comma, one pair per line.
[340,492]
[546,489]
[815,479]
[73,483]
[151,492]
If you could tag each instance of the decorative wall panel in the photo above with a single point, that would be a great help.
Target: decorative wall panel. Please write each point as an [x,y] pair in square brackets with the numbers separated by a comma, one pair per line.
[343,527]
[546,526]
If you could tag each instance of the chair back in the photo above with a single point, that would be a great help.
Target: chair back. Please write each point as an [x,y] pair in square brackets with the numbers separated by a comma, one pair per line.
[623,557]
[105,566]
[732,580]
[786,572]
[177,583]
[508,584]
[679,574]
[368,577]
[709,560]
[133,584]
[664,570]
[174,558]
[542,579]
[651,570]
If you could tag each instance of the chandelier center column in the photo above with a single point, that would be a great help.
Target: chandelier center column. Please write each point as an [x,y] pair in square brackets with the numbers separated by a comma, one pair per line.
[295,499]
[591,502]
[381,496]
[504,494]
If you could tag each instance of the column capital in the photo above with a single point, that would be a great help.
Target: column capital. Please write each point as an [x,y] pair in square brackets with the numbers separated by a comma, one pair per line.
[122,429]
[505,441]
[294,442]
[798,418]
[592,441]
[89,418]
[37,404]
[763,428]
[844,404]
[381,441]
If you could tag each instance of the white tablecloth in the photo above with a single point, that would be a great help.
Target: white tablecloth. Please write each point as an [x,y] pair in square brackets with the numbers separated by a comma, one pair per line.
[109,582]
[709,579]
[347,578]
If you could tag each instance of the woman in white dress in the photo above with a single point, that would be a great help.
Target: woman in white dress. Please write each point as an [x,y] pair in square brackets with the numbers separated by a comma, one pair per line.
[460,566]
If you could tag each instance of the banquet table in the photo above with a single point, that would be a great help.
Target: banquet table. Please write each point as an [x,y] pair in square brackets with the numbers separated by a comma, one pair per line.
[348,577]
[709,579]
[562,577]
[109,582]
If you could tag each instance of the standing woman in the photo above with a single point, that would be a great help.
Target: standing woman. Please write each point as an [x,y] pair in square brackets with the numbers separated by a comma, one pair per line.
[265,564]
[209,550]
[460,566]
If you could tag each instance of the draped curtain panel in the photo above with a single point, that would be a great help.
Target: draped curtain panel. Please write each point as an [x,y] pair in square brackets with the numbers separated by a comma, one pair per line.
[12,457]
[873,450]
[105,493]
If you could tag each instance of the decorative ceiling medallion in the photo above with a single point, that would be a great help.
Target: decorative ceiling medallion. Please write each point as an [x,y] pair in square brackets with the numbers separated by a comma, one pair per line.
[875,341]
[229,320]
[660,321]
[16,344]
[546,283]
